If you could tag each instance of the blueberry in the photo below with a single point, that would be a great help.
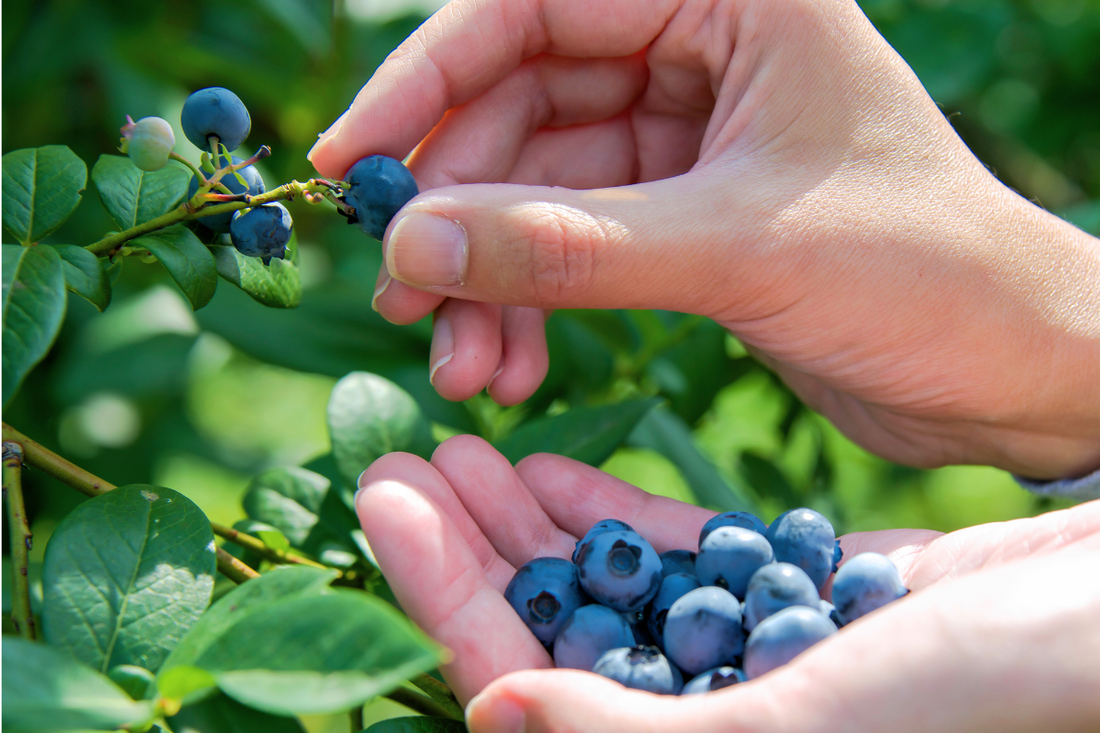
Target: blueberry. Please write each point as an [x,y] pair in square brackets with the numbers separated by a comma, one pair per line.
[220,222]
[703,630]
[619,569]
[775,587]
[640,668]
[838,555]
[745,520]
[148,142]
[262,231]
[782,637]
[866,582]
[604,525]
[215,111]
[804,538]
[673,587]
[587,634]
[677,561]
[378,188]
[729,556]
[545,592]
[713,680]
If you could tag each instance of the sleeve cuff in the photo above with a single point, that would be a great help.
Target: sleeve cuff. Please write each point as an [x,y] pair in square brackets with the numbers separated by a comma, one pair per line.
[1082,489]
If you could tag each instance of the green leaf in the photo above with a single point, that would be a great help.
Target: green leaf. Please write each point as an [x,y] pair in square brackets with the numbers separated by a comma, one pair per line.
[241,602]
[41,188]
[133,196]
[134,680]
[318,654]
[126,575]
[85,275]
[418,724]
[183,682]
[666,433]
[276,285]
[45,689]
[587,434]
[187,260]
[369,416]
[288,499]
[34,306]
[223,714]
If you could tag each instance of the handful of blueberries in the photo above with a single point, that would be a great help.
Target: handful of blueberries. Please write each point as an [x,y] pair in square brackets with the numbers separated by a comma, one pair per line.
[649,621]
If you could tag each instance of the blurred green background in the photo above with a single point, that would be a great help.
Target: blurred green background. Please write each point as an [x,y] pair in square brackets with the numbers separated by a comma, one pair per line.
[151,392]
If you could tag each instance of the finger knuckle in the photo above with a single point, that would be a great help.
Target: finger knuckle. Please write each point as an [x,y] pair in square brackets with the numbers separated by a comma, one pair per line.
[560,245]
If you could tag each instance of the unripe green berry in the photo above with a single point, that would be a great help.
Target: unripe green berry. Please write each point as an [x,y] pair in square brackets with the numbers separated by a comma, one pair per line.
[148,142]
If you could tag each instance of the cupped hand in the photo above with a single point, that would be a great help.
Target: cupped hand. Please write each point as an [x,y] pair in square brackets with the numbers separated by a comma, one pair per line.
[773,165]
[1000,632]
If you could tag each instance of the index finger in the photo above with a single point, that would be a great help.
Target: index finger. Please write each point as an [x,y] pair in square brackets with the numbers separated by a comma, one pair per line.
[463,50]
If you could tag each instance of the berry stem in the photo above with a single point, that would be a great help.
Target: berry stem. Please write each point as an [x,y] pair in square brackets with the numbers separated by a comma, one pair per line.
[20,534]
[419,702]
[194,169]
[257,545]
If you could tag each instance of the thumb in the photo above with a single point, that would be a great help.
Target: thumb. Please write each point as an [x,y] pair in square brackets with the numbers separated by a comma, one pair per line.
[663,244]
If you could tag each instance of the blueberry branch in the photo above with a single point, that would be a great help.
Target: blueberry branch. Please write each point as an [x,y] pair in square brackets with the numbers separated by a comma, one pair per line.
[20,532]
[420,703]
[37,456]
[249,542]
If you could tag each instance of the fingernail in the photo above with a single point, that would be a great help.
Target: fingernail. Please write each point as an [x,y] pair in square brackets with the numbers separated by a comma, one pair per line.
[443,346]
[425,249]
[325,136]
[494,714]
[378,291]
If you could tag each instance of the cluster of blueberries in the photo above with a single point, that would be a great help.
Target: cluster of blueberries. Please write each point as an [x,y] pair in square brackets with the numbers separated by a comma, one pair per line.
[748,602]
[378,186]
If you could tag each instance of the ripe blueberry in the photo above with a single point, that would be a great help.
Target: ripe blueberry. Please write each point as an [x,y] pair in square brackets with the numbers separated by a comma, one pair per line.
[775,587]
[220,222]
[728,557]
[587,634]
[673,587]
[678,561]
[782,637]
[745,520]
[545,592]
[604,525]
[619,569]
[866,582]
[703,630]
[215,111]
[262,231]
[378,188]
[804,538]
[640,668]
[712,680]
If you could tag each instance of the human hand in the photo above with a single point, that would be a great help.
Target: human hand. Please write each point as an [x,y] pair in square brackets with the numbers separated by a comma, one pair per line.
[775,166]
[1000,633]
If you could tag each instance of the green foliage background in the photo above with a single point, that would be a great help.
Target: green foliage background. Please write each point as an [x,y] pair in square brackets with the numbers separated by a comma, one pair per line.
[150,392]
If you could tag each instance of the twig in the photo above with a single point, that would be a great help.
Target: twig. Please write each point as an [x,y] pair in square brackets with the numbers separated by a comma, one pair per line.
[441,693]
[418,702]
[36,456]
[21,614]
[356,714]
[257,545]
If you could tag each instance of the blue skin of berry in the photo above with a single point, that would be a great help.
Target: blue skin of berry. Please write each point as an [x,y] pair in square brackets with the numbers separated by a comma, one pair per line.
[729,556]
[215,111]
[604,525]
[262,232]
[804,538]
[545,592]
[619,569]
[640,668]
[782,637]
[703,630]
[588,634]
[865,583]
[838,555]
[745,520]
[713,680]
[220,222]
[775,587]
[677,561]
[378,187]
[673,588]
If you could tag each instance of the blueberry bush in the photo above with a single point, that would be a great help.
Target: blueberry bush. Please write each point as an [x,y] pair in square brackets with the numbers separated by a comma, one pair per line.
[193,376]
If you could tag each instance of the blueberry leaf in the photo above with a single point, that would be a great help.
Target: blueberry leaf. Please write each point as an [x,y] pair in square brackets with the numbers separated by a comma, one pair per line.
[418,724]
[223,714]
[587,434]
[276,285]
[126,575]
[41,188]
[133,196]
[85,275]
[369,416]
[187,260]
[45,689]
[34,306]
